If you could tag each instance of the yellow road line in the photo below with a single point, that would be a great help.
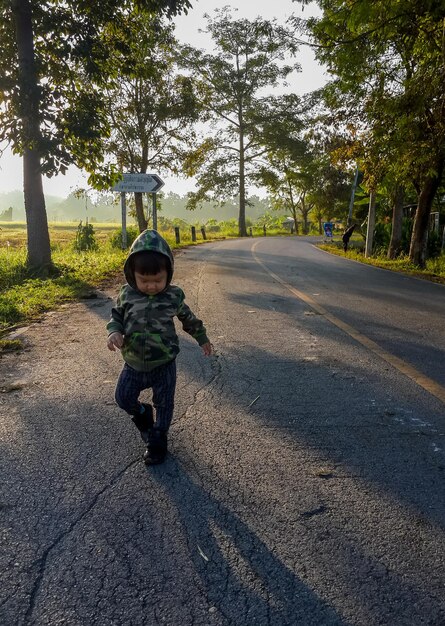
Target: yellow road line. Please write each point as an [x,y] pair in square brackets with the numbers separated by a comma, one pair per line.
[420,379]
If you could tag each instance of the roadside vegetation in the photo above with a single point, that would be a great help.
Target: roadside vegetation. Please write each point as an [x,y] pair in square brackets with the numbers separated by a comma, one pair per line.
[434,269]
[85,258]
[24,296]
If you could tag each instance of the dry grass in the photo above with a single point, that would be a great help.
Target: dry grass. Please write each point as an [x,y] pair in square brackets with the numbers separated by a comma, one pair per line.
[14,235]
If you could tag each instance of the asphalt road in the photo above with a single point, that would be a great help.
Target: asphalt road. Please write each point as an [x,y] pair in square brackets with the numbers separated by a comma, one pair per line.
[305,483]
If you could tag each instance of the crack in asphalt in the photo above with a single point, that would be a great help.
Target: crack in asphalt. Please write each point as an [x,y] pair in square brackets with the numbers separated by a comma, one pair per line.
[215,364]
[42,561]
[217,370]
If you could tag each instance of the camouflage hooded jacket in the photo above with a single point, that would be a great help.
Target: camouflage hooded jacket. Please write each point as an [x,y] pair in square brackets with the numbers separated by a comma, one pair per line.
[146,322]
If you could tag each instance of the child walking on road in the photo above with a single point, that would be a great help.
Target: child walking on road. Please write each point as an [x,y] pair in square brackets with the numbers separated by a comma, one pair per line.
[142,327]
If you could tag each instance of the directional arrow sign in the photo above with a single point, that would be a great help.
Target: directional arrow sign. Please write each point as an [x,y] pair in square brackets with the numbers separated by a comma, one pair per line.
[139,182]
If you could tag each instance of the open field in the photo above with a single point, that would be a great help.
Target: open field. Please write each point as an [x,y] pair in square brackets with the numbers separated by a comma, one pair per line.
[61,233]
[13,234]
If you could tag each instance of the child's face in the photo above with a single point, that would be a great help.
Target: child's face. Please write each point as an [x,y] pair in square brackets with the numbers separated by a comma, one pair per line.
[151,284]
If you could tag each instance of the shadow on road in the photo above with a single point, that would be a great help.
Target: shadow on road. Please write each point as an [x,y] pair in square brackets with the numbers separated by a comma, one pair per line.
[241,576]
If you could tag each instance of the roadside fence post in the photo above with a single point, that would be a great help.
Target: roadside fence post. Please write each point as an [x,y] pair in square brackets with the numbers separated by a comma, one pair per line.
[193,233]
[177,236]
[203,232]
[264,230]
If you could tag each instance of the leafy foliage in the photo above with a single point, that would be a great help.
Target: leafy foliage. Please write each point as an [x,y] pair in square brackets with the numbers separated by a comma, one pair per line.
[79,47]
[85,238]
[298,171]
[116,237]
[249,56]
[387,92]
[57,59]
[152,107]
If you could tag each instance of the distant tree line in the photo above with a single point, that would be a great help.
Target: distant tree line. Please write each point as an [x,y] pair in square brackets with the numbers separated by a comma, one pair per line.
[105,207]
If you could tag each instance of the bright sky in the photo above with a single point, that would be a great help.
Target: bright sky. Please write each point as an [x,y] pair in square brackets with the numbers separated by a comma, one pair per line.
[187,28]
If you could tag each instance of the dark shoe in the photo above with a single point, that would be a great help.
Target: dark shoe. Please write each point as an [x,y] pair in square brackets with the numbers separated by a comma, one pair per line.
[156,447]
[144,422]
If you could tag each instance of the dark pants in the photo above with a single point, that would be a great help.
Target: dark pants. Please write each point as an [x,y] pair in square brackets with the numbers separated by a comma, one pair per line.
[162,380]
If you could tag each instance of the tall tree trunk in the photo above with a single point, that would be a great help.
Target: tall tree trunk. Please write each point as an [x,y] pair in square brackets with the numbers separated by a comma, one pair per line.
[39,250]
[419,238]
[304,214]
[242,183]
[295,216]
[395,245]
[142,222]
[306,222]
[292,203]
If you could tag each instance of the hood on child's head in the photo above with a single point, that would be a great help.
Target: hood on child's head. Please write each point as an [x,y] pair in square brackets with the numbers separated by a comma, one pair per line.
[149,240]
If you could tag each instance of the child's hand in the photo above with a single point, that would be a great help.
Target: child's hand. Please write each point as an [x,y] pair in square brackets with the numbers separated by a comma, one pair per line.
[115,340]
[207,348]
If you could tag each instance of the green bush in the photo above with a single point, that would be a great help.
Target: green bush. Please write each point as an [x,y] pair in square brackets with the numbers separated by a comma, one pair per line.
[270,220]
[212,226]
[116,237]
[85,238]
[382,236]
[434,245]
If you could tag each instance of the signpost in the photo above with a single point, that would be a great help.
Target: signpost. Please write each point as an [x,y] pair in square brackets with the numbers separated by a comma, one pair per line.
[139,182]
[133,183]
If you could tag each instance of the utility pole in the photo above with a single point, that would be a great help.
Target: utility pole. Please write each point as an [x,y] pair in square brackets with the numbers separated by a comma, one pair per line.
[371,225]
[351,202]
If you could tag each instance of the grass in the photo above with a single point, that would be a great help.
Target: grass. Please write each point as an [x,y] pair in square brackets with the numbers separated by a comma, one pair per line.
[13,234]
[434,270]
[10,345]
[24,298]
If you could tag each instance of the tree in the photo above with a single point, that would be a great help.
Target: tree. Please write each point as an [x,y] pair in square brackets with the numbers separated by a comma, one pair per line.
[249,57]
[153,107]
[331,191]
[299,173]
[6,215]
[289,188]
[55,62]
[387,59]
